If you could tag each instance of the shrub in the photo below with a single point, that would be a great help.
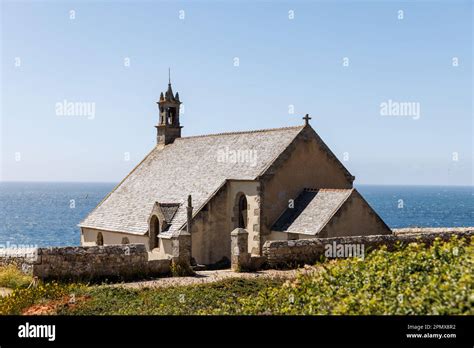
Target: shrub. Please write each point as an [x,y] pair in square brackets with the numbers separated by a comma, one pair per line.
[415,280]
[181,270]
[21,299]
[12,277]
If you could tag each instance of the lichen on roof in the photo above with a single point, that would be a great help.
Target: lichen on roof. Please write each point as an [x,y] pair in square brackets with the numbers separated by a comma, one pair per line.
[313,208]
[191,165]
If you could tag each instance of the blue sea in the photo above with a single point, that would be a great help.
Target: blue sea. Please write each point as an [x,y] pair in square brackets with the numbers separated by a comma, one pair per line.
[47,214]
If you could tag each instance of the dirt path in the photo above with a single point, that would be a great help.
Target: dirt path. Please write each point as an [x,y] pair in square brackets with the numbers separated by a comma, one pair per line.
[203,277]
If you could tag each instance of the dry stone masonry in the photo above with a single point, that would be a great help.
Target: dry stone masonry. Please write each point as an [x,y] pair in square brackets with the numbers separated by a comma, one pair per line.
[131,261]
[91,263]
[288,253]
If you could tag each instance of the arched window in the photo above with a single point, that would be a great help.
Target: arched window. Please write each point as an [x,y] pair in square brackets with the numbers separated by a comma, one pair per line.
[243,211]
[162,117]
[100,239]
[154,232]
[125,240]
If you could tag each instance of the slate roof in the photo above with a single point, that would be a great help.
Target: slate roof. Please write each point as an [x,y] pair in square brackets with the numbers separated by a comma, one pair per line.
[190,165]
[312,211]
[169,210]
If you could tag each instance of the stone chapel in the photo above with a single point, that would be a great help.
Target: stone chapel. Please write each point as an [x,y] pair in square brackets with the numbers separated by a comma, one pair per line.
[277,184]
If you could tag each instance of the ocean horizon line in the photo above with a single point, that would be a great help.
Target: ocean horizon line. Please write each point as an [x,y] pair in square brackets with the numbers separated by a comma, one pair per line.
[117,182]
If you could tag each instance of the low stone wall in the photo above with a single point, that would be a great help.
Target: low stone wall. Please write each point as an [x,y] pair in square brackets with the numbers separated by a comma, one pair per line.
[289,253]
[113,262]
[22,258]
[158,267]
[398,231]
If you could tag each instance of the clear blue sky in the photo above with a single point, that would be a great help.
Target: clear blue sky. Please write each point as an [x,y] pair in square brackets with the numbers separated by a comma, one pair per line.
[282,62]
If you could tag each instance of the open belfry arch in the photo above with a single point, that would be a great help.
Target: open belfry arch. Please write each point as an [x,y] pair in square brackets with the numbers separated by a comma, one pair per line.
[237,180]
[168,127]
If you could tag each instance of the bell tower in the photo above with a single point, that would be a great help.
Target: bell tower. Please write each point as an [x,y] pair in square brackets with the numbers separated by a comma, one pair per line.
[168,127]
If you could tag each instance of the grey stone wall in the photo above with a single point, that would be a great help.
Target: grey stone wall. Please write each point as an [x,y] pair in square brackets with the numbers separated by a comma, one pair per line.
[398,231]
[158,267]
[288,253]
[113,262]
[22,258]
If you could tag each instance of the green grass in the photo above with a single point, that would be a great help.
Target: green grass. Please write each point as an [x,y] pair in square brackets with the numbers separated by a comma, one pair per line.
[413,280]
[11,277]
[177,300]
[44,293]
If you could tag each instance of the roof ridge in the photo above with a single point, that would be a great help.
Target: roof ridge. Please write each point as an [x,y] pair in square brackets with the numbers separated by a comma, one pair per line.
[240,132]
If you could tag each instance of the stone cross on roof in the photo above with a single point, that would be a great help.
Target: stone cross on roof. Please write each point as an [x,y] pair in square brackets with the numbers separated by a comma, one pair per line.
[306,119]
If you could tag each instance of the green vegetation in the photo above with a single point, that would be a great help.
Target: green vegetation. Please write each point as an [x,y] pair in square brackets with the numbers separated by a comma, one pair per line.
[412,280]
[178,300]
[181,270]
[43,294]
[11,277]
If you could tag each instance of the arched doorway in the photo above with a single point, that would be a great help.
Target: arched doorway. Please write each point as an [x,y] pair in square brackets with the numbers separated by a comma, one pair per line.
[242,211]
[154,232]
